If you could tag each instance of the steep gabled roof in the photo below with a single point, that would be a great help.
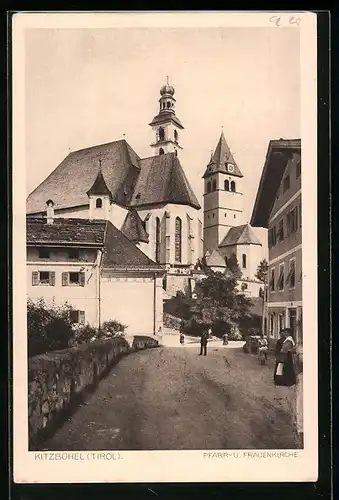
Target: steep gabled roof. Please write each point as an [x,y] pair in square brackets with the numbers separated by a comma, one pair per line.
[215,260]
[275,164]
[240,235]
[69,183]
[221,159]
[133,227]
[118,251]
[121,253]
[99,186]
[162,180]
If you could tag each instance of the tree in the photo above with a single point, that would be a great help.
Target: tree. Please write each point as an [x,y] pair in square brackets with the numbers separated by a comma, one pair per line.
[233,266]
[219,305]
[262,271]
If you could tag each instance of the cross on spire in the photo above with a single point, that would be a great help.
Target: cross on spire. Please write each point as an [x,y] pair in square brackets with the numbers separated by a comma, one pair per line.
[167,79]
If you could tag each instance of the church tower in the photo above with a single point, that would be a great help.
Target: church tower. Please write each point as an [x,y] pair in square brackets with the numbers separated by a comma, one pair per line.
[166,126]
[223,195]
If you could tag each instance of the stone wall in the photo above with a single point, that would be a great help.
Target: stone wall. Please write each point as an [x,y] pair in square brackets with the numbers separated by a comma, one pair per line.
[59,380]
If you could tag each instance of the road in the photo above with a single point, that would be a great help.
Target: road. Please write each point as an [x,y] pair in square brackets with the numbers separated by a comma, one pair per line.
[170,398]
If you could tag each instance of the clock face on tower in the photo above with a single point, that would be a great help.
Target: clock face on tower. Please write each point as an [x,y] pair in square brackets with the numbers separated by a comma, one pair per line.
[230,167]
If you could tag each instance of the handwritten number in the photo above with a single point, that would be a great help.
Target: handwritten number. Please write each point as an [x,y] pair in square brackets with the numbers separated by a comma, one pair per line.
[295,20]
[292,20]
[275,19]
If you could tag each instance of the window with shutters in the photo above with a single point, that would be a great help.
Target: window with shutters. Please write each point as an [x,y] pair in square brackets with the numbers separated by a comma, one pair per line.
[73,279]
[44,253]
[280,283]
[157,239]
[291,274]
[292,221]
[178,238]
[272,237]
[43,278]
[280,233]
[272,280]
[77,317]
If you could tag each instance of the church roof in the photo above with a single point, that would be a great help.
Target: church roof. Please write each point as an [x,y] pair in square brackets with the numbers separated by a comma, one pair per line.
[69,183]
[162,180]
[165,116]
[118,251]
[133,227]
[240,235]
[221,159]
[99,186]
[130,180]
[215,260]
[275,164]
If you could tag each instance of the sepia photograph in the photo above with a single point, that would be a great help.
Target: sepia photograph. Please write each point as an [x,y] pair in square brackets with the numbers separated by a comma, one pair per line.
[162,214]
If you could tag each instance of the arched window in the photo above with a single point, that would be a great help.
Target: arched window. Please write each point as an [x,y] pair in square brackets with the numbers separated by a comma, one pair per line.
[161,151]
[98,203]
[178,231]
[161,134]
[209,186]
[214,185]
[176,136]
[233,186]
[244,261]
[168,104]
[157,239]
[227,185]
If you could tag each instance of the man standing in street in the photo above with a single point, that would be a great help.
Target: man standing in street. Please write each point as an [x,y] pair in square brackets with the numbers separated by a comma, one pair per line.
[203,342]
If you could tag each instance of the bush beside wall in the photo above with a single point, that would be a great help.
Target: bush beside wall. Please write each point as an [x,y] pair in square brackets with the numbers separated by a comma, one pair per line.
[58,380]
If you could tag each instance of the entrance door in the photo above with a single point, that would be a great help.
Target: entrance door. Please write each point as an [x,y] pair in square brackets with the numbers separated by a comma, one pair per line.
[293,321]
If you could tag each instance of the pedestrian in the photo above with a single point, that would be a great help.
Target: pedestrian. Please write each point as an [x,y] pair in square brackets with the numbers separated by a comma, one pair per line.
[262,349]
[203,342]
[284,370]
[182,338]
[225,339]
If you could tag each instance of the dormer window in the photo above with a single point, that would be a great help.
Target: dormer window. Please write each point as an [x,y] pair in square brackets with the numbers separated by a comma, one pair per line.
[98,203]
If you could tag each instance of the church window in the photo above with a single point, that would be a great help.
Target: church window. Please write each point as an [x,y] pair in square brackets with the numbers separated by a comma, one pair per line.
[234,216]
[98,203]
[227,185]
[161,134]
[244,261]
[225,214]
[233,187]
[161,151]
[214,185]
[178,235]
[157,239]
[176,136]
[209,186]
[168,104]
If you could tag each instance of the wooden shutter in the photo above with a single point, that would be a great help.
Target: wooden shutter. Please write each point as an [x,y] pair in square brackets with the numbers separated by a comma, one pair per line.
[82,279]
[52,278]
[65,279]
[35,278]
[82,317]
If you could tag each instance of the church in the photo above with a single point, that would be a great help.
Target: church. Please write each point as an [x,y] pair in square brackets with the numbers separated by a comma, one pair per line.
[148,199]
[225,231]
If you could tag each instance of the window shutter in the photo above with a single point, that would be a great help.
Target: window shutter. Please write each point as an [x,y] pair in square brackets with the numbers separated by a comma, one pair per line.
[35,278]
[82,279]
[65,277]
[82,317]
[52,278]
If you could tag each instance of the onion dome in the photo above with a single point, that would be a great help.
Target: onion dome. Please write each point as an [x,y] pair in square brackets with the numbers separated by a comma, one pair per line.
[167,89]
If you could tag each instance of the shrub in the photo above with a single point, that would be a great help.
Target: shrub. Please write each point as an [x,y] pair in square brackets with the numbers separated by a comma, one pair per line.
[112,327]
[49,328]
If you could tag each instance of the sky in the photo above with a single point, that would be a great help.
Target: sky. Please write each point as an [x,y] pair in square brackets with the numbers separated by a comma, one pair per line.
[91,86]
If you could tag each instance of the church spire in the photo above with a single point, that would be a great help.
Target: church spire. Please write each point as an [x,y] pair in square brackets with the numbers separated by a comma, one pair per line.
[223,160]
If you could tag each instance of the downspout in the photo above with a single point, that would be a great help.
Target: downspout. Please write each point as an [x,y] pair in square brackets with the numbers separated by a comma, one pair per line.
[99,287]
[154,303]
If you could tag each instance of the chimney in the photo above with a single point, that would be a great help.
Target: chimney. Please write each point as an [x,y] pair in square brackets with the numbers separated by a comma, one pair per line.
[50,211]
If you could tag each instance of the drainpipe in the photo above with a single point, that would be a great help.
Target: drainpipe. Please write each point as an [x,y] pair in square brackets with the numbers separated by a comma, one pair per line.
[154,303]
[99,287]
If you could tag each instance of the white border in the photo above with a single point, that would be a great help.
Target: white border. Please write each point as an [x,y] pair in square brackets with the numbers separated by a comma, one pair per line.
[168,466]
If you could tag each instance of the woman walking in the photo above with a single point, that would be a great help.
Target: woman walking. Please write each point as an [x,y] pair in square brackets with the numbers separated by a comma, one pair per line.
[284,373]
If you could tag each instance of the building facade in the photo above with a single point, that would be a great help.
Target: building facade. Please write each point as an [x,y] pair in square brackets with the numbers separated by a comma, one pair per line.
[278,207]
[93,267]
